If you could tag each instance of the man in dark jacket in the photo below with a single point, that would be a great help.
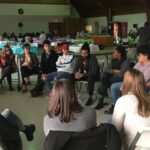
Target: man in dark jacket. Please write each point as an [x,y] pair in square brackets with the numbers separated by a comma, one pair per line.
[86,68]
[47,65]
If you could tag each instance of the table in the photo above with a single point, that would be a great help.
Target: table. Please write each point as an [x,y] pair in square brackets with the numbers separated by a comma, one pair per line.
[18,50]
[77,48]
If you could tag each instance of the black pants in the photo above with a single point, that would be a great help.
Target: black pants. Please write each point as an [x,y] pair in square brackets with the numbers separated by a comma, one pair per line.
[91,81]
[26,72]
[106,80]
[6,72]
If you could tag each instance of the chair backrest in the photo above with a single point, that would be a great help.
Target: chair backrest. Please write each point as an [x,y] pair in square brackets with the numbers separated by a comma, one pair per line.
[142,139]
[103,137]
[101,64]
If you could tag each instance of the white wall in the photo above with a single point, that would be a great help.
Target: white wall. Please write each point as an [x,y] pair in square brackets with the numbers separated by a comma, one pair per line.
[35,18]
[131,19]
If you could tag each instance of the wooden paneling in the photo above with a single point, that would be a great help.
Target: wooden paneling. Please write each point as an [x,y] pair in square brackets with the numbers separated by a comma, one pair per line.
[69,26]
[73,25]
[57,26]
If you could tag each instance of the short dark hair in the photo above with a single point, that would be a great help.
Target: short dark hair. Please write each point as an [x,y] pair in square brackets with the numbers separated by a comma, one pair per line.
[146,24]
[26,45]
[46,42]
[144,49]
[122,51]
[85,46]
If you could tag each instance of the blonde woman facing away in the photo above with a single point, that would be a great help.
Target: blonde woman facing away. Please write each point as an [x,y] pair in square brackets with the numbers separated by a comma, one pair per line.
[132,110]
[64,112]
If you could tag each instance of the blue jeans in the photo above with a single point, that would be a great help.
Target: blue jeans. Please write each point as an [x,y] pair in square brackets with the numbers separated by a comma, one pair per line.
[55,76]
[115,92]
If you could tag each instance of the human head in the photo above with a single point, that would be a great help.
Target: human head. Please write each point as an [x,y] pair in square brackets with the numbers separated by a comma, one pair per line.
[6,51]
[85,50]
[143,53]
[119,52]
[146,24]
[63,101]
[65,48]
[47,46]
[26,48]
[134,82]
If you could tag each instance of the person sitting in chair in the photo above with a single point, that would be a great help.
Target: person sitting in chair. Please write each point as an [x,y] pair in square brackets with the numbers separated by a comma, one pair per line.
[64,111]
[64,66]
[47,65]
[143,64]
[86,68]
[8,65]
[115,72]
[10,126]
[132,110]
[29,65]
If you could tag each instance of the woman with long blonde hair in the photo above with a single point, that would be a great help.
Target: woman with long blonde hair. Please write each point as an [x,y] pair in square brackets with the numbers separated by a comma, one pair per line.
[132,110]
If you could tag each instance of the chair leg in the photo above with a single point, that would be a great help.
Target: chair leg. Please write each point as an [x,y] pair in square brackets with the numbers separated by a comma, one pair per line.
[80,87]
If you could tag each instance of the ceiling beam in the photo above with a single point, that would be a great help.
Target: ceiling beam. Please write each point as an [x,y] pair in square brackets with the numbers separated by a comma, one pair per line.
[59,2]
[147,7]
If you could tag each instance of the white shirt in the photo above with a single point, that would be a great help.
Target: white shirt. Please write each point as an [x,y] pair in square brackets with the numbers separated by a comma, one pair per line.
[125,117]
[64,63]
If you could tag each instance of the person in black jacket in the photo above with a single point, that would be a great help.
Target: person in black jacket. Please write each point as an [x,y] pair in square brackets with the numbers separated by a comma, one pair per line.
[47,65]
[86,68]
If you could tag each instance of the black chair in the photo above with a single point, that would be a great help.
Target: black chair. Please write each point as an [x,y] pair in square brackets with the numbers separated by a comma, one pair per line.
[103,137]
[10,138]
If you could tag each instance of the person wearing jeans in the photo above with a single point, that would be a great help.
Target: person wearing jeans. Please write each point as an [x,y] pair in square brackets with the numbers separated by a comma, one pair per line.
[64,66]
[143,65]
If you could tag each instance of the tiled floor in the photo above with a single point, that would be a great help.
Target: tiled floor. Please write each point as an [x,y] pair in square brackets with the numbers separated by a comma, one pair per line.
[32,110]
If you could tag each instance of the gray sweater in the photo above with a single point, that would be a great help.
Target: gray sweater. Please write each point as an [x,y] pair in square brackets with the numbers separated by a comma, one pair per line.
[84,120]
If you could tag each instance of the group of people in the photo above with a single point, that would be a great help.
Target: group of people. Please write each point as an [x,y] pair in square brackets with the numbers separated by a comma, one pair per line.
[130,112]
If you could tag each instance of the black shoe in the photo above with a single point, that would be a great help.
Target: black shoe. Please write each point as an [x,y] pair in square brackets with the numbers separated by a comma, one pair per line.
[0,81]
[35,94]
[11,88]
[110,110]
[100,103]
[89,101]
[29,131]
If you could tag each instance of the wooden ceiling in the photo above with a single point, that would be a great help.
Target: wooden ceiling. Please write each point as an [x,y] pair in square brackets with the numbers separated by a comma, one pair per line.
[96,8]
[61,2]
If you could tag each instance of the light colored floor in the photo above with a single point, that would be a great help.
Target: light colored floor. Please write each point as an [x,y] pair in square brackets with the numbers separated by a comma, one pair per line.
[32,110]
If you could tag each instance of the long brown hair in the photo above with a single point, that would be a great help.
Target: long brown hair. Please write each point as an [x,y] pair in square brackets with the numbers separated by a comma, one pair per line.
[134,82]
[63,101]
[3,52]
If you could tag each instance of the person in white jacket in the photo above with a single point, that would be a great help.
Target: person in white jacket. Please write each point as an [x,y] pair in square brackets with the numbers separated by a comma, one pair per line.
[64,66]
[132,110]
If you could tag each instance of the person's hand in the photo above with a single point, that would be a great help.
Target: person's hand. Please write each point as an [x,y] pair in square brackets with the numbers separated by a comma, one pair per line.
[78,75]
[25,64]
[43,77]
